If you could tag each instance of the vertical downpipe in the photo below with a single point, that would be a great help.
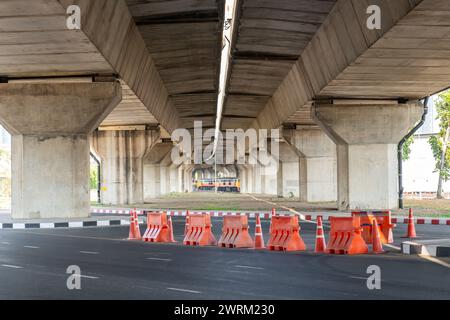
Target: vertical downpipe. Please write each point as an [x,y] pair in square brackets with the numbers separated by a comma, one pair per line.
[400,153]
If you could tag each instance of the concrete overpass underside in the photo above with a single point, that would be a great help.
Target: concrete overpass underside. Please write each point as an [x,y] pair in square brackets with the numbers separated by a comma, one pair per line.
[342,94]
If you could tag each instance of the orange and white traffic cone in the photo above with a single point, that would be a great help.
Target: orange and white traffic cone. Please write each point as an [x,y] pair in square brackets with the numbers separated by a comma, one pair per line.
[320,237]
[172,239]
[134,233]
[411,233]
[259,240]
[186,226]
[136,225]
[377,246]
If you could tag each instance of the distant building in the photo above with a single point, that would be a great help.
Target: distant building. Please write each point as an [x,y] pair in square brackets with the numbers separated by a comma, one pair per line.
[419,178]
[5,139]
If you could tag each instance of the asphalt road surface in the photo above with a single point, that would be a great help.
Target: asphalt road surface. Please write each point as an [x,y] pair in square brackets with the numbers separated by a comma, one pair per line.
[33,265]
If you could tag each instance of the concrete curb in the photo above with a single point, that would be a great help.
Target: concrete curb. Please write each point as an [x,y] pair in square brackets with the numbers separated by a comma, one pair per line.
[267,215]
[429,248]
[68,224]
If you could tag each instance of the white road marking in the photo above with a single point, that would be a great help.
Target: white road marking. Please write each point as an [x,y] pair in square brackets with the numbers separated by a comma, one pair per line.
[392,246]
[4,242]
[183,290]
[159,259]
[83,276]
[88,252]
[31,247]
[11,266]
[359,278]
[301,216]
[435,260]
[249,267]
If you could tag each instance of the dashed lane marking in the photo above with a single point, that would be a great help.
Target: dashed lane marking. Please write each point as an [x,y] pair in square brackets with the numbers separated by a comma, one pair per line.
[31,247]
[184,290]
[70,236]
[301,216]
[159,259]
[11,266]
[4,242]
[89,252]
[249,267]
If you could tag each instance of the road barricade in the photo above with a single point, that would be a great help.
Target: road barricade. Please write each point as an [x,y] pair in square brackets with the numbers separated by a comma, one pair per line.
[285,234]
[235,233]
[384,223]
[158,228]
[199,232]
[346,236]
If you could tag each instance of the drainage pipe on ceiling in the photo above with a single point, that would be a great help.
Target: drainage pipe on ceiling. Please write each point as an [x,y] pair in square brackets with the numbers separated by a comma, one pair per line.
[227,38]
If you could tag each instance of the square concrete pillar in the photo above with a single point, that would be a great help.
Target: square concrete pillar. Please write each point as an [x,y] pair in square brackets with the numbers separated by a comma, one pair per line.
[367,135]
[317,163]
[50,124]
[122,156]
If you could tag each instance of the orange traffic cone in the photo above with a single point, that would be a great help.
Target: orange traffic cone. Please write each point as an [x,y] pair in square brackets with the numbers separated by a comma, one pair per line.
[320,237]
[377,246]
[135,233]
[186,226]
[259,240]
[411,228]
[172,239]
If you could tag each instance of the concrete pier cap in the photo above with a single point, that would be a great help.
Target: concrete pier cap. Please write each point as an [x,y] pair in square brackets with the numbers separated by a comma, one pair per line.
[366,134]
[50,124]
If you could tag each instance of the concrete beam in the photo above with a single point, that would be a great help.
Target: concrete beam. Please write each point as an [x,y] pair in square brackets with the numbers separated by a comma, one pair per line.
[112,30]
[405,59]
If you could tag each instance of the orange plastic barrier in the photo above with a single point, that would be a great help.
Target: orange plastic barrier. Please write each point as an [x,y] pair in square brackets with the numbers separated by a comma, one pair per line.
[345,236]
[285,235]
[384,223]
[199,231]
[235,233]
[158,228]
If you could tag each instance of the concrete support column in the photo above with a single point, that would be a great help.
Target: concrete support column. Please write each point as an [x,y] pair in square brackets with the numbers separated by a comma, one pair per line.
[173,177]
[243,178]
[50,124]
[156,170]
[250,179]
[317,163]
[367,135]
[122,153]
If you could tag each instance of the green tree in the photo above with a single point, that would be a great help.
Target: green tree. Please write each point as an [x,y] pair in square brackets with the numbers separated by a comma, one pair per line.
[93,179]
[439,143]
[406,151]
